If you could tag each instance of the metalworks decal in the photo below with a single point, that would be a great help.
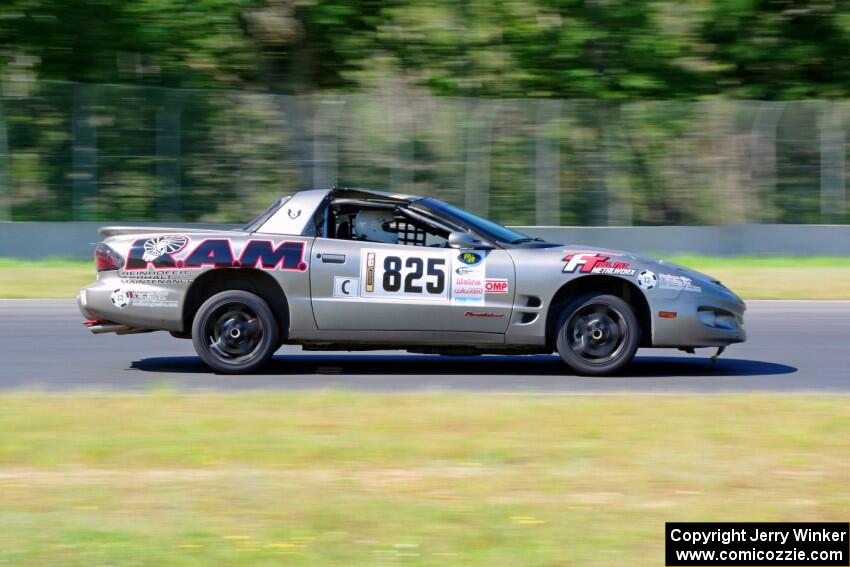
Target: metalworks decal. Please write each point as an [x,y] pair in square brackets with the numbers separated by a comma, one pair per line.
[596,263]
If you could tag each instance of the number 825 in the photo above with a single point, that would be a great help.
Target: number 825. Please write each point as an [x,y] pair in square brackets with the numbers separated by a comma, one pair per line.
[415,268]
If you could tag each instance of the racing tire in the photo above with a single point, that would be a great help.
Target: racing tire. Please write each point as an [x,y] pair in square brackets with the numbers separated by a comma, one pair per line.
[235,332]
[598,334]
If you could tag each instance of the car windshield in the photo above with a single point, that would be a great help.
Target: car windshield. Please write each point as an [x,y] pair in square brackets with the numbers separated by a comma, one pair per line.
[484,227]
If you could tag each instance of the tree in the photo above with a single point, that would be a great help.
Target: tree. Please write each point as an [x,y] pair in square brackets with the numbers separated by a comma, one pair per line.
[778,49]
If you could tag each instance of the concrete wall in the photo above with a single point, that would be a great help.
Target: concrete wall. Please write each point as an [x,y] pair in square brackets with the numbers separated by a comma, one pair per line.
[74,239]
[60,239]
[720,240]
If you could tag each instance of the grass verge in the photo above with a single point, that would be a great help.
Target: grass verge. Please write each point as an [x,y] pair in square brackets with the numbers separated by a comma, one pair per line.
[750,277]
[44,279]
[428,479]
[757,277]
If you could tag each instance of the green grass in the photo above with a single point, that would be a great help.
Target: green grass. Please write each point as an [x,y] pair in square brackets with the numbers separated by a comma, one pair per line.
[44,279]
[784,262]
[428,479]
[750,277]
[757,277]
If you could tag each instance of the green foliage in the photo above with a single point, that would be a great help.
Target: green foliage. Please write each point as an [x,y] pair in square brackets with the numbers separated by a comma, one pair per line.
[767,49]
[659,49]
[621,157]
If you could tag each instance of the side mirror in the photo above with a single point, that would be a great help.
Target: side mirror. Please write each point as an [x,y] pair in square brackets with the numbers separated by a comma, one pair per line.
[463,240]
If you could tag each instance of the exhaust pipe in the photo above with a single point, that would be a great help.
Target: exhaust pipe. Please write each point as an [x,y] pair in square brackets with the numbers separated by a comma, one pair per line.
[100,326]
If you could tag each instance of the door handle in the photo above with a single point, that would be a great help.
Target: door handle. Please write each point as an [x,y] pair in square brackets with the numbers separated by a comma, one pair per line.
[333,258]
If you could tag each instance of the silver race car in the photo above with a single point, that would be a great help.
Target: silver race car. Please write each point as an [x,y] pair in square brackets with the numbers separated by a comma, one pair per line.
[353,269]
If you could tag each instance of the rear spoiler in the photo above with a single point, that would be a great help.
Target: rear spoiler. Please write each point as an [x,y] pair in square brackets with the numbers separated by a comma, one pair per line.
[108,231]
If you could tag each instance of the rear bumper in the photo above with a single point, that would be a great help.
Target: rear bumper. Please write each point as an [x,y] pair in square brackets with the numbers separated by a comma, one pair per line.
[95,302]
[82,305]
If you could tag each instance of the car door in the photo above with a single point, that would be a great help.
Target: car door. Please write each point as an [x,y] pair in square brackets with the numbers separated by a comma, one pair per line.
[373,286]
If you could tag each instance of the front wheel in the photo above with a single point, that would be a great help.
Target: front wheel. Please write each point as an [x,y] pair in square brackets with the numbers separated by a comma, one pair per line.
[235,332]
[598,334]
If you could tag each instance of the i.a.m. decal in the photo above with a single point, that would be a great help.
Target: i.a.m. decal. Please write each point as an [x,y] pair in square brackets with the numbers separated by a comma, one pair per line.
[159,253]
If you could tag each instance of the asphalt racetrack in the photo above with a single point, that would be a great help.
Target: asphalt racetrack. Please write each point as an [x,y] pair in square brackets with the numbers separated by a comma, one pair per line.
[792,346]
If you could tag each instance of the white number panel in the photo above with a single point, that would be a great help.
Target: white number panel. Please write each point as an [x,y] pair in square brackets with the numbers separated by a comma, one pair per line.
[405,274]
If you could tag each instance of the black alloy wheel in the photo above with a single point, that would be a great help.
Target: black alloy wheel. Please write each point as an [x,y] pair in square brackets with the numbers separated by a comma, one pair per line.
[598,334]
[235,332]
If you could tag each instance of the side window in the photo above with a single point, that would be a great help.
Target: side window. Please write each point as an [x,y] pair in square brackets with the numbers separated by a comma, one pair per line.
[412,234]
[382,225]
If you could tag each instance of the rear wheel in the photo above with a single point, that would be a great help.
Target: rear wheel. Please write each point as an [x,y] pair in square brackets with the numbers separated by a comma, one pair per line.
[235,332]
[598,334]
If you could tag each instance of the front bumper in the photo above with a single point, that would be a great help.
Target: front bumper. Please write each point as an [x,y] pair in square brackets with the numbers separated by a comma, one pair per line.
[706,319]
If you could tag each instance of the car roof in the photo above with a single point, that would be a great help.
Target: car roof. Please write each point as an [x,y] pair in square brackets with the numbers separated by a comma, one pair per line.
[361,193]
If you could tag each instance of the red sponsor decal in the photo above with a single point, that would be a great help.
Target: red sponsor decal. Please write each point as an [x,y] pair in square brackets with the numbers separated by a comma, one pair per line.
[594,263]
[496,285]
[485,314]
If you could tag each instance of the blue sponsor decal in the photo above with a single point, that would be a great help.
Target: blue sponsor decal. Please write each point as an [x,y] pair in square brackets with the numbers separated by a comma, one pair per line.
[469,258]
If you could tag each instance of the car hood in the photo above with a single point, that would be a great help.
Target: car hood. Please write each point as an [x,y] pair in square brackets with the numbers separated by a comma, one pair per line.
[553,254]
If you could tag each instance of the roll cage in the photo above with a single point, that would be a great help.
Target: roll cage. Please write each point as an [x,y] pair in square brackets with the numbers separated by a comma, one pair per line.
[414,225]
[412,221]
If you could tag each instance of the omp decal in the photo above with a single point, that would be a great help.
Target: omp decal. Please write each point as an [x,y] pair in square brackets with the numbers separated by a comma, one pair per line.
[647,279]
[677,283]
[346,287]
[403,274]
[496,285]
[485,314]
[215,252]
[595,263]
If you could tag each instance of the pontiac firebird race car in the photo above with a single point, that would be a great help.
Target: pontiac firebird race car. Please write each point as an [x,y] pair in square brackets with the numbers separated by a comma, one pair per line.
[353,269]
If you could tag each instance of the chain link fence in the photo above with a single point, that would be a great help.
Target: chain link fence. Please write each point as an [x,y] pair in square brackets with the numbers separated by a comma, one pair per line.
[71,151]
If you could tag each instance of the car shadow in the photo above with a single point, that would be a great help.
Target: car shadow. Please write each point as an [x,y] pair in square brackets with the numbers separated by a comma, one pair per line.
[539,365]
